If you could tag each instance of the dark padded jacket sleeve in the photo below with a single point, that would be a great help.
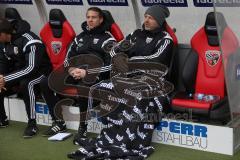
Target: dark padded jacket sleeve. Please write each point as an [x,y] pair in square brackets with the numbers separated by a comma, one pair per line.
[150,47]
[32,54]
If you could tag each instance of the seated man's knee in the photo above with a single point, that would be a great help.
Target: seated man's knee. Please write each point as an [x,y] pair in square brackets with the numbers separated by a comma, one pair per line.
[44,83]
[23,85]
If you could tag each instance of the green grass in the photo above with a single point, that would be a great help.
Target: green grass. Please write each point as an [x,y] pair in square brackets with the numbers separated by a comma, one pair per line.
[14,147]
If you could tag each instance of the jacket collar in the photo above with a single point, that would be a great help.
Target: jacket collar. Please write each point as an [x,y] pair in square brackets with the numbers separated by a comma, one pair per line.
[100,29]
[153,32]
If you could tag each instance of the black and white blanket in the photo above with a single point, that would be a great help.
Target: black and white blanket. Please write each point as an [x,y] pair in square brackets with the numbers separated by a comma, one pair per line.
[131,107]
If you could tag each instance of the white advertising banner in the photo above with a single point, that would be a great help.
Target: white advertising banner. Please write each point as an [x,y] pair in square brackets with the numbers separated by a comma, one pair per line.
[197,136]
[17,110]
[18,113]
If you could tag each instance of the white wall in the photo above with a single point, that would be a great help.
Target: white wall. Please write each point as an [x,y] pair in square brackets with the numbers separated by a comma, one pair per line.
[187,20]
[76,15]
[29,13]
[2,8]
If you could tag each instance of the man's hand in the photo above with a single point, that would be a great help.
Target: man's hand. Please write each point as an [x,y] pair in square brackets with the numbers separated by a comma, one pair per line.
[2,83]
[77,73]
[120,63]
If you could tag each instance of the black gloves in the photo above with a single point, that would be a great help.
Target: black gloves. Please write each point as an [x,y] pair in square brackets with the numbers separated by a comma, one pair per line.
[108,46]
[11,51]
[119,59]
[120,63]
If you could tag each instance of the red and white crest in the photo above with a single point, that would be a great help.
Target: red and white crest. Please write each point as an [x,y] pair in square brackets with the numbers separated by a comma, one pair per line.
[56,46]
[212,57]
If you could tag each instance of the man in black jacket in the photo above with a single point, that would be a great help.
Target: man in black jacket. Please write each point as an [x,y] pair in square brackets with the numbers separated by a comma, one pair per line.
[5,62]
[151,43]
[31,62]
[90,41]
[130,129]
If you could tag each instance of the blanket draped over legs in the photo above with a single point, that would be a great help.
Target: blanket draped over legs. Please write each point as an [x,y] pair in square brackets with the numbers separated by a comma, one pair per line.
[129,128]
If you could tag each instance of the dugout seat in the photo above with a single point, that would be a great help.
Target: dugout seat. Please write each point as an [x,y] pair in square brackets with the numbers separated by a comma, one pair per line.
[112,26]
[57,35]
[203,72]
[171,73]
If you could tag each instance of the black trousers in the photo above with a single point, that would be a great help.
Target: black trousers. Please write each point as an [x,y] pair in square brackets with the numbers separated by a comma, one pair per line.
[4,68]
[10,91]
[26,88]
[3,115]
[50,97]
[81,102]
[28,92]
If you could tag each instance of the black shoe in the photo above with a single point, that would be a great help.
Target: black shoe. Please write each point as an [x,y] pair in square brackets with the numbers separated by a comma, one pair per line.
[30,130]
[4,123]
[75,155]
[57,127]
[82,133]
